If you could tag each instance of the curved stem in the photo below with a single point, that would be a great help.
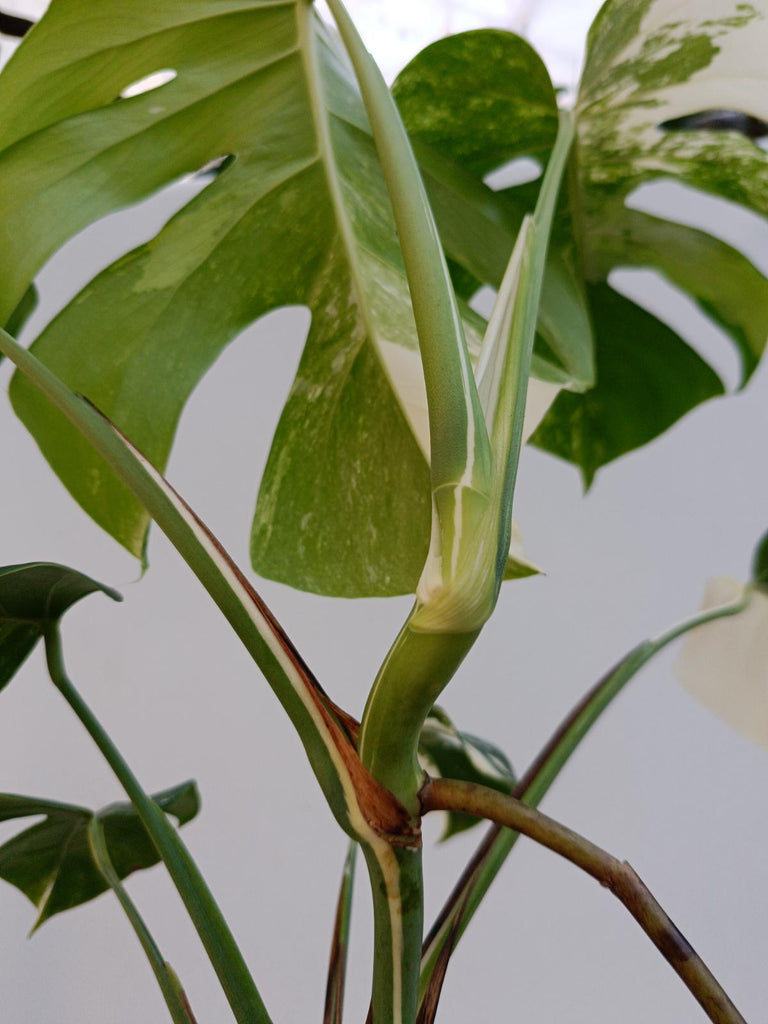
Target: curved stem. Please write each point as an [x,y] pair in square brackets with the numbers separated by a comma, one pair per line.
[219,943]
[177,1004]
[618,876]
[480,872]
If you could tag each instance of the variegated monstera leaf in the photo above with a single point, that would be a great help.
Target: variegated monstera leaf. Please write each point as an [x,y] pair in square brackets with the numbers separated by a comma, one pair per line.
[670,91]
[296,214]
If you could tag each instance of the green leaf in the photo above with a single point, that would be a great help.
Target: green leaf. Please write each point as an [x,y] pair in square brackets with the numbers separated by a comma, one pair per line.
[31,597]
[51,862]
[648,65]
[451,754]
[300,215]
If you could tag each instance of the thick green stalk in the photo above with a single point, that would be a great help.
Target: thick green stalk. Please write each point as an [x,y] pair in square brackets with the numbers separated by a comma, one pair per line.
[398,908]
[409,682]
[176,1003]
[434,640]
[533,786]
[219,943]
[619,877]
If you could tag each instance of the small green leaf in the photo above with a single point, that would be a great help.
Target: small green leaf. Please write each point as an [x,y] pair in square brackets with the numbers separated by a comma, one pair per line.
[760,564]
[456,755]
[51,862]
[32,596]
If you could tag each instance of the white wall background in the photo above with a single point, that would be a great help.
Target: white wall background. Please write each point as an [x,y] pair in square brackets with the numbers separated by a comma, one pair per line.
[660,781]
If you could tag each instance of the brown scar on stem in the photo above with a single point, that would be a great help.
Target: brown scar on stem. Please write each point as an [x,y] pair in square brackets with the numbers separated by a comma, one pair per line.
[382,811]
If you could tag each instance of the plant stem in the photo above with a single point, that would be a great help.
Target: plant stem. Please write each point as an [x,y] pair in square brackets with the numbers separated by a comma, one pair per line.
[219,943]
[397,889]
[337,966]
[415,671]
[480,872]
[177,1005]
[618,876]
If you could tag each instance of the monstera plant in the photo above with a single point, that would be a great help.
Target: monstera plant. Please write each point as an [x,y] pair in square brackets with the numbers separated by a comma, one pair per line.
[394,464]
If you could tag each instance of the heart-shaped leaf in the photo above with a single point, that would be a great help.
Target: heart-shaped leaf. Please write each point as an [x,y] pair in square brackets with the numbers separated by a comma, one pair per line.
[648,64]
[33,596]
[52,863]
[451,754]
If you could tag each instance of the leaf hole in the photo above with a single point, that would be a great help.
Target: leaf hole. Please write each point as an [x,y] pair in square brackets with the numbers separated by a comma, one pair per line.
[15,826]
[99,244]
[148,83]
[483,300]
[14,25]
[737,226]
[650,290]
[720,120]
[519,171]
[249,404]
[213,168]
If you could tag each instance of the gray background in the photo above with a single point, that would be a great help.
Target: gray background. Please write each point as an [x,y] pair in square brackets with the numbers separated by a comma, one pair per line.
[660,781]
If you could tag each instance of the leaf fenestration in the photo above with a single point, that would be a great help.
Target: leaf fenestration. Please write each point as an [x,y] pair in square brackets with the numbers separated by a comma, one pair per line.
[647,65]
